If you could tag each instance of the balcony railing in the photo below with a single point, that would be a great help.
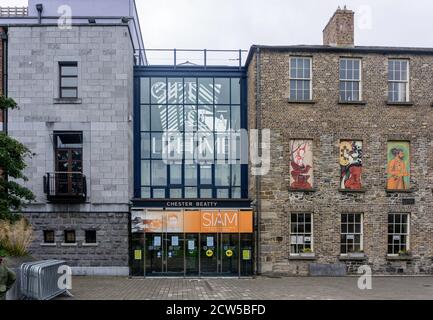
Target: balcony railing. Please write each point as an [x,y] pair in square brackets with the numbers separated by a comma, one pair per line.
[190,57]
[13,11]
[65,186]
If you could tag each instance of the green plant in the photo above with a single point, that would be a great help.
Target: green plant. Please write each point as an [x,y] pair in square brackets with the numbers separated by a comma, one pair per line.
[13,196]
[307,250]
[15,237]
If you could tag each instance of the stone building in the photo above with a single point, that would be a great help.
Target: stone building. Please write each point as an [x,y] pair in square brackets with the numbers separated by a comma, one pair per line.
[323,104]
[72,79]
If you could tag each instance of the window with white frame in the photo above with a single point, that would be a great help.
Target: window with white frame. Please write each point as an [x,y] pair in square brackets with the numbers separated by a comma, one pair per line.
[350,79]
[301,236]
[398,233]
[300,78]
[398,80]
[351,233]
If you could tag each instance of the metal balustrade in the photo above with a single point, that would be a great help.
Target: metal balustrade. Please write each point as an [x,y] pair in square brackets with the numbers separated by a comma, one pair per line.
[13,11]
[65,186]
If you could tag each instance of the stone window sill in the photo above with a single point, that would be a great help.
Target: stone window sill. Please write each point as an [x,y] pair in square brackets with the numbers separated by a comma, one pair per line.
[90,244]
[362,190]
[356,103]
[302,190]
[43,244]
[396,103]
[398,258]
[68,101]
[302,101]
[349,258]
[69,244]
[301,257]
[399,191]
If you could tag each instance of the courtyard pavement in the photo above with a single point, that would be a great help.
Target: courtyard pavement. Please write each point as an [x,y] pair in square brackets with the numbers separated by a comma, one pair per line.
[286,288]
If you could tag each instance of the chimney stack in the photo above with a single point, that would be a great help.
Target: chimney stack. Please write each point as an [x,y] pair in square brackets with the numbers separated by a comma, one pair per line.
[339,32]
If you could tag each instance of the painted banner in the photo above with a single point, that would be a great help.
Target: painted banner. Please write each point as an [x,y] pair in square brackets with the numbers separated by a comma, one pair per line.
[203,221]
[350,164]
[301,164]
[398,166]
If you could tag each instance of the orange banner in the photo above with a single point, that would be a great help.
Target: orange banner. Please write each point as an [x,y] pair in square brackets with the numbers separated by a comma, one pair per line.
[203,221]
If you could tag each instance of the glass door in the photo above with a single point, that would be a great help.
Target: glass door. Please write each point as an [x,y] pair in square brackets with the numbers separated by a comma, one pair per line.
[191,254]
[209,254]
[174,253]
[230,254]
[154,254]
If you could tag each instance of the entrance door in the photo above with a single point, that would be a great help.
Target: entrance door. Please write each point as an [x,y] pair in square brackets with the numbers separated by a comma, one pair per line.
[174,254]
[154,254]
[209,252]
[230,254]
[191,254]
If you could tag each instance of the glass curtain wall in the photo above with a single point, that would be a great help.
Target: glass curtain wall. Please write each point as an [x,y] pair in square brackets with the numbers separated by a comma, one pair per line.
[185,120]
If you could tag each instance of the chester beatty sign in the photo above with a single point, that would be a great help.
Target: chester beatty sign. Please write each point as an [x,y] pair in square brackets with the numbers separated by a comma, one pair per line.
[192,203]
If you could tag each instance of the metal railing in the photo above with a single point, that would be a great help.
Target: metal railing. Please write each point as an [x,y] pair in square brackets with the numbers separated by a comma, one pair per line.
[190,57]
[13,11]
[40,280]
[65,185]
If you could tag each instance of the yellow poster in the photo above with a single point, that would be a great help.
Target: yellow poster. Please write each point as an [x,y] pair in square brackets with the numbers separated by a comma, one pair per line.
[137,254]
[246,254]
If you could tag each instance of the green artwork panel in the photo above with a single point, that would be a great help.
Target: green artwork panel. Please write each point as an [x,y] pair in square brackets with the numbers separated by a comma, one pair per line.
[398,165]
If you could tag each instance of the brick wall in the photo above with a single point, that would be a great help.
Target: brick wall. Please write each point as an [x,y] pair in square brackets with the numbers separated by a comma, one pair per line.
[326,122]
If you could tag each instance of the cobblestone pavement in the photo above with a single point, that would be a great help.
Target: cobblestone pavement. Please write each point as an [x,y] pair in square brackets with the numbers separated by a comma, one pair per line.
[310,288]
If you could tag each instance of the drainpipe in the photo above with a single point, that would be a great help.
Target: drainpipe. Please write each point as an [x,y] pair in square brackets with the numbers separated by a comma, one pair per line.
[4,62]
[40,8]
[258,180]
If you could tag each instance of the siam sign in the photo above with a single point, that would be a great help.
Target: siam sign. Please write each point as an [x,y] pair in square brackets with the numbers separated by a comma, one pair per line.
[202,221]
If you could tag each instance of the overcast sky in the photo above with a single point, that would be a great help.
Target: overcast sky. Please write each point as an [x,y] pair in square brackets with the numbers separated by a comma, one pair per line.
[234,24]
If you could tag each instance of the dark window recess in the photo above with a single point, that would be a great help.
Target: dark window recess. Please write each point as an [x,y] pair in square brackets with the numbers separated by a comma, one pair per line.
[70,236]
[49,236]
[90,236]
[67,182]
[408,201]
[68,80]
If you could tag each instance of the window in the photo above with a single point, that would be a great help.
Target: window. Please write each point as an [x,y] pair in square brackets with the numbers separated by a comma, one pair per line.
[398,233]
[398,80]
[70,236]
[68,150]
[192,121]
[68,79]
[350,79]
[301,239]
[49,236]
[351,233]
[300,78]
[90,236]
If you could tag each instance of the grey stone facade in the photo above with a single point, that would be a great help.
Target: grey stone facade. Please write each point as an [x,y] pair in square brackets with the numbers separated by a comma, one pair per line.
[103,112]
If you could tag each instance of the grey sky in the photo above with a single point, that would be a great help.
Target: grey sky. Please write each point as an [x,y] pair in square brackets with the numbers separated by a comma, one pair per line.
[234,24]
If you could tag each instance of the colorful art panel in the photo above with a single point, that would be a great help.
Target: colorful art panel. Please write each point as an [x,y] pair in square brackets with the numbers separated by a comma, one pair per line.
[350,164]
[301,164]
[398,165]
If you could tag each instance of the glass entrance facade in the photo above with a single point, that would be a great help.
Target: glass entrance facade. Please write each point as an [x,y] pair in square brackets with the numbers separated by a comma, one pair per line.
[192,243]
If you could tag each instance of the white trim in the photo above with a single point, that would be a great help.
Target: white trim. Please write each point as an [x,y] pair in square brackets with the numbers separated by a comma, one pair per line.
[301,79]
[84,244]
[48,244]
[69,244]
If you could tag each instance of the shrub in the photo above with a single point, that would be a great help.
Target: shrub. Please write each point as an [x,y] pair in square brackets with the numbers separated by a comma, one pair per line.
[15,238]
